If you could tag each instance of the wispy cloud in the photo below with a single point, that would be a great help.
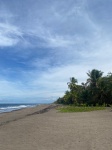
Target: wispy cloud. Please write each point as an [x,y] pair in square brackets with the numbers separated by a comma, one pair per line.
[51,43]
[9,35]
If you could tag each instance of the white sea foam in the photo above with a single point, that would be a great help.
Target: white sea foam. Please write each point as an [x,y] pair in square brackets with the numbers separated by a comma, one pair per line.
[12,107]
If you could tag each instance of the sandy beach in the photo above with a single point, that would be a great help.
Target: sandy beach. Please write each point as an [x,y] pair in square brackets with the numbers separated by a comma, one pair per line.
[44,128]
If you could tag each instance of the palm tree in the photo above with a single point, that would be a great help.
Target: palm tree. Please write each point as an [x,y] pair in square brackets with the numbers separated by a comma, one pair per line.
[72,84]
[105,86]
[73,89]
[94,75]
[92,83]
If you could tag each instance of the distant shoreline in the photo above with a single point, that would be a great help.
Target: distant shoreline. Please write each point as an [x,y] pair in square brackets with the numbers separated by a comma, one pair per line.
[5,108]
[29,111]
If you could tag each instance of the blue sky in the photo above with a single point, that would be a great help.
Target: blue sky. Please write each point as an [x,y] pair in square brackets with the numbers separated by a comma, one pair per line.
[45,42]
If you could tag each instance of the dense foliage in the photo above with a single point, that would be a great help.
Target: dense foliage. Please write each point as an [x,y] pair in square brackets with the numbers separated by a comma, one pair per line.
[96,91]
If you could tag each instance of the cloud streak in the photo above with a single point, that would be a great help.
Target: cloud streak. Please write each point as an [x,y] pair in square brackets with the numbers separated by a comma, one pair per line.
[42,47]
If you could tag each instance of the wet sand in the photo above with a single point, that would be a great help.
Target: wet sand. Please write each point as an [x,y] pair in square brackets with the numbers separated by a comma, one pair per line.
[44,128]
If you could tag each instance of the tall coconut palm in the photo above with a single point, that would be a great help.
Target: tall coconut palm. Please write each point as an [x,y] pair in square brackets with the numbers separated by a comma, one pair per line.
[72,84]
[94,75]
[92,83]
[73,89]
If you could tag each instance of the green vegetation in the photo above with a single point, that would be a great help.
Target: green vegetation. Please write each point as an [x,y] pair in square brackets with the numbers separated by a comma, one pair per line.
[79,109]
[96,91]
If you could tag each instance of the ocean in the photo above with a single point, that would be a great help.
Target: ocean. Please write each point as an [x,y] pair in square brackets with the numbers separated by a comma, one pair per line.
[12,107]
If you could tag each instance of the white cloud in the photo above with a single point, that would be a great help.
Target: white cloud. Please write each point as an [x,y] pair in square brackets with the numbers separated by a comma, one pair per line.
[77,44]
[56,26]
[9,35]
[51,83]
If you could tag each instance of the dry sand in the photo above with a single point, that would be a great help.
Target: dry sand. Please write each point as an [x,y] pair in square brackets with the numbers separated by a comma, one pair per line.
[32,129]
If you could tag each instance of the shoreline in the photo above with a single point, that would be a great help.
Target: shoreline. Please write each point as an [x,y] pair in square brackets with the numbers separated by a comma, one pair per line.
[18,105]
[45,128]
[42,108]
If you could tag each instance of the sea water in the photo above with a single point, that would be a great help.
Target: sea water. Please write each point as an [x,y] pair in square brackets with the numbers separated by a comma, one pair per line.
[12,107]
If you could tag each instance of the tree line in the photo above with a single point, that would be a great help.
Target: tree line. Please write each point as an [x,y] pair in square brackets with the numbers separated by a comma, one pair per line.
[96,91]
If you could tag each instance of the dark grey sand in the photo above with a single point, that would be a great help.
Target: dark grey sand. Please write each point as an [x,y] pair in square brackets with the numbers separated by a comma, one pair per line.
[44,128]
